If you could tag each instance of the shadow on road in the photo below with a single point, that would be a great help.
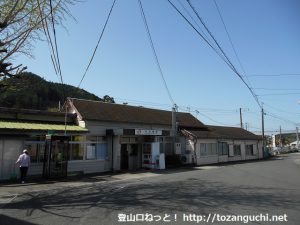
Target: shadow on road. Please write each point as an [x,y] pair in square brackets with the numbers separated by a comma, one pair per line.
[6,220]
[196,195]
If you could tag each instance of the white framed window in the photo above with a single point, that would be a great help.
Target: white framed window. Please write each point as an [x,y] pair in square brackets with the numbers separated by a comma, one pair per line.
[208,149]
[223,148]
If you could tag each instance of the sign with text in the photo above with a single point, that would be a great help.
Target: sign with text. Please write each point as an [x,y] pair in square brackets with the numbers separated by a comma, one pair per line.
[147,132]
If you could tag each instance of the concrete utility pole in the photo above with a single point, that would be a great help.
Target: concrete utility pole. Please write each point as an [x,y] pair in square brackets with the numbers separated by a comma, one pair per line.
[174,130]
[297,136]
[280,138]
[241,118]
[263,125]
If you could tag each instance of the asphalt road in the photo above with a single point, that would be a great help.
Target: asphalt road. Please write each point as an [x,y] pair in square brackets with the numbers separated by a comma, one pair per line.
[227,192]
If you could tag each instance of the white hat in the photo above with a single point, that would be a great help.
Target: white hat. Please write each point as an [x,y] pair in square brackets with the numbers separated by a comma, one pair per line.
[25,151]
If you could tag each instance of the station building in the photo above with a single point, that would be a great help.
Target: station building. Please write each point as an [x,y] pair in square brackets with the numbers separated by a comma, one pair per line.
[92,137]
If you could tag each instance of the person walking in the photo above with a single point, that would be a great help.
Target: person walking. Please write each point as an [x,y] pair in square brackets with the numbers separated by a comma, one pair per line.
[24,161]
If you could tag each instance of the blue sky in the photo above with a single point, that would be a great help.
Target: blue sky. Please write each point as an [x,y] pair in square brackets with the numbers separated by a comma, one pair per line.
[265,34]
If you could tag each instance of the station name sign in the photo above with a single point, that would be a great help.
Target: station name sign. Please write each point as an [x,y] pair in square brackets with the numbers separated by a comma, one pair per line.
[147,132]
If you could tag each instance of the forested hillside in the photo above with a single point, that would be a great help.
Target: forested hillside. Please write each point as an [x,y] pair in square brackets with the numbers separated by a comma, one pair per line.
[33,92]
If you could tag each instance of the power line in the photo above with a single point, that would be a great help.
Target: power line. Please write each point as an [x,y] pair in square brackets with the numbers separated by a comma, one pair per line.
[279,94]
[56,50]
[229,63]
[55,43]
[154,52]
[282,119]
[274,75]
[185,9]
[231,42]
[49,39]
[226,60]
[95,49]
[199,33]
[204,115]
[277,89]
[281,110]
[209,32]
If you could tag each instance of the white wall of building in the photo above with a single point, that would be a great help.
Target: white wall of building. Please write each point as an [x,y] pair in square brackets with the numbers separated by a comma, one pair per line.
[212,159]
[10,149]
[117,153]
[88,166]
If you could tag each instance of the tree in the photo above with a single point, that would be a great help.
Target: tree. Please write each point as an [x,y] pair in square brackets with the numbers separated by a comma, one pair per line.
[22,23]
[107,98]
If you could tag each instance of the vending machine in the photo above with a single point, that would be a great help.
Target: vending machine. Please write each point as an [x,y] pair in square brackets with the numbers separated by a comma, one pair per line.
[151,157]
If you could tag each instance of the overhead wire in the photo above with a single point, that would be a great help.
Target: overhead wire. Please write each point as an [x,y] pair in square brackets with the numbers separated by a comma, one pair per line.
[185,9]
[222,56]
[282,119]
[48,39]
[204,115]
[274,75]
[228,60]
[230,64]
[203,36]
[277,109]
[276,94]
[98,42]
[55,44]
[154,52]
[277,89]
[231,42]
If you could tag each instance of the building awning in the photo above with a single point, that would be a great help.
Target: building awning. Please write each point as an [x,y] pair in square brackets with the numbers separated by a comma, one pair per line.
[30,126]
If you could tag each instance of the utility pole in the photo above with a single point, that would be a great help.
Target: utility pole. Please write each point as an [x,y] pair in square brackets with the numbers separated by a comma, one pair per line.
[263,125]
[174,129]
[280,138]
[297,136]
[241,118]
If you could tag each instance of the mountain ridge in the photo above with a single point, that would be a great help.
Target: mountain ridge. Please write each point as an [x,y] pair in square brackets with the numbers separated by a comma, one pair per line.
[31,91]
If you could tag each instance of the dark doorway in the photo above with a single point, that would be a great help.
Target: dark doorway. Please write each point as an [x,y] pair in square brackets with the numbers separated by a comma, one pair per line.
[56,157]
[124,157]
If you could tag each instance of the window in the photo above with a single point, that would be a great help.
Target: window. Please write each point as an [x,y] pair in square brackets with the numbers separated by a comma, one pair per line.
[203,151]
[237,150]
[101,151]
[249,150]
[77,151]
[214,149]
[96,151]
[223,148]
[88,147]
[91,151]
[77,147]
[207,149]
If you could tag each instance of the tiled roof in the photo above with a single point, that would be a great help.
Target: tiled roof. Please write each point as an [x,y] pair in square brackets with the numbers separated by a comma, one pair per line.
[101,111]
[27,115]
[226,133]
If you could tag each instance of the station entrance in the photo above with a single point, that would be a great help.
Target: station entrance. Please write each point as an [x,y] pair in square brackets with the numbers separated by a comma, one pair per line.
[56,156]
